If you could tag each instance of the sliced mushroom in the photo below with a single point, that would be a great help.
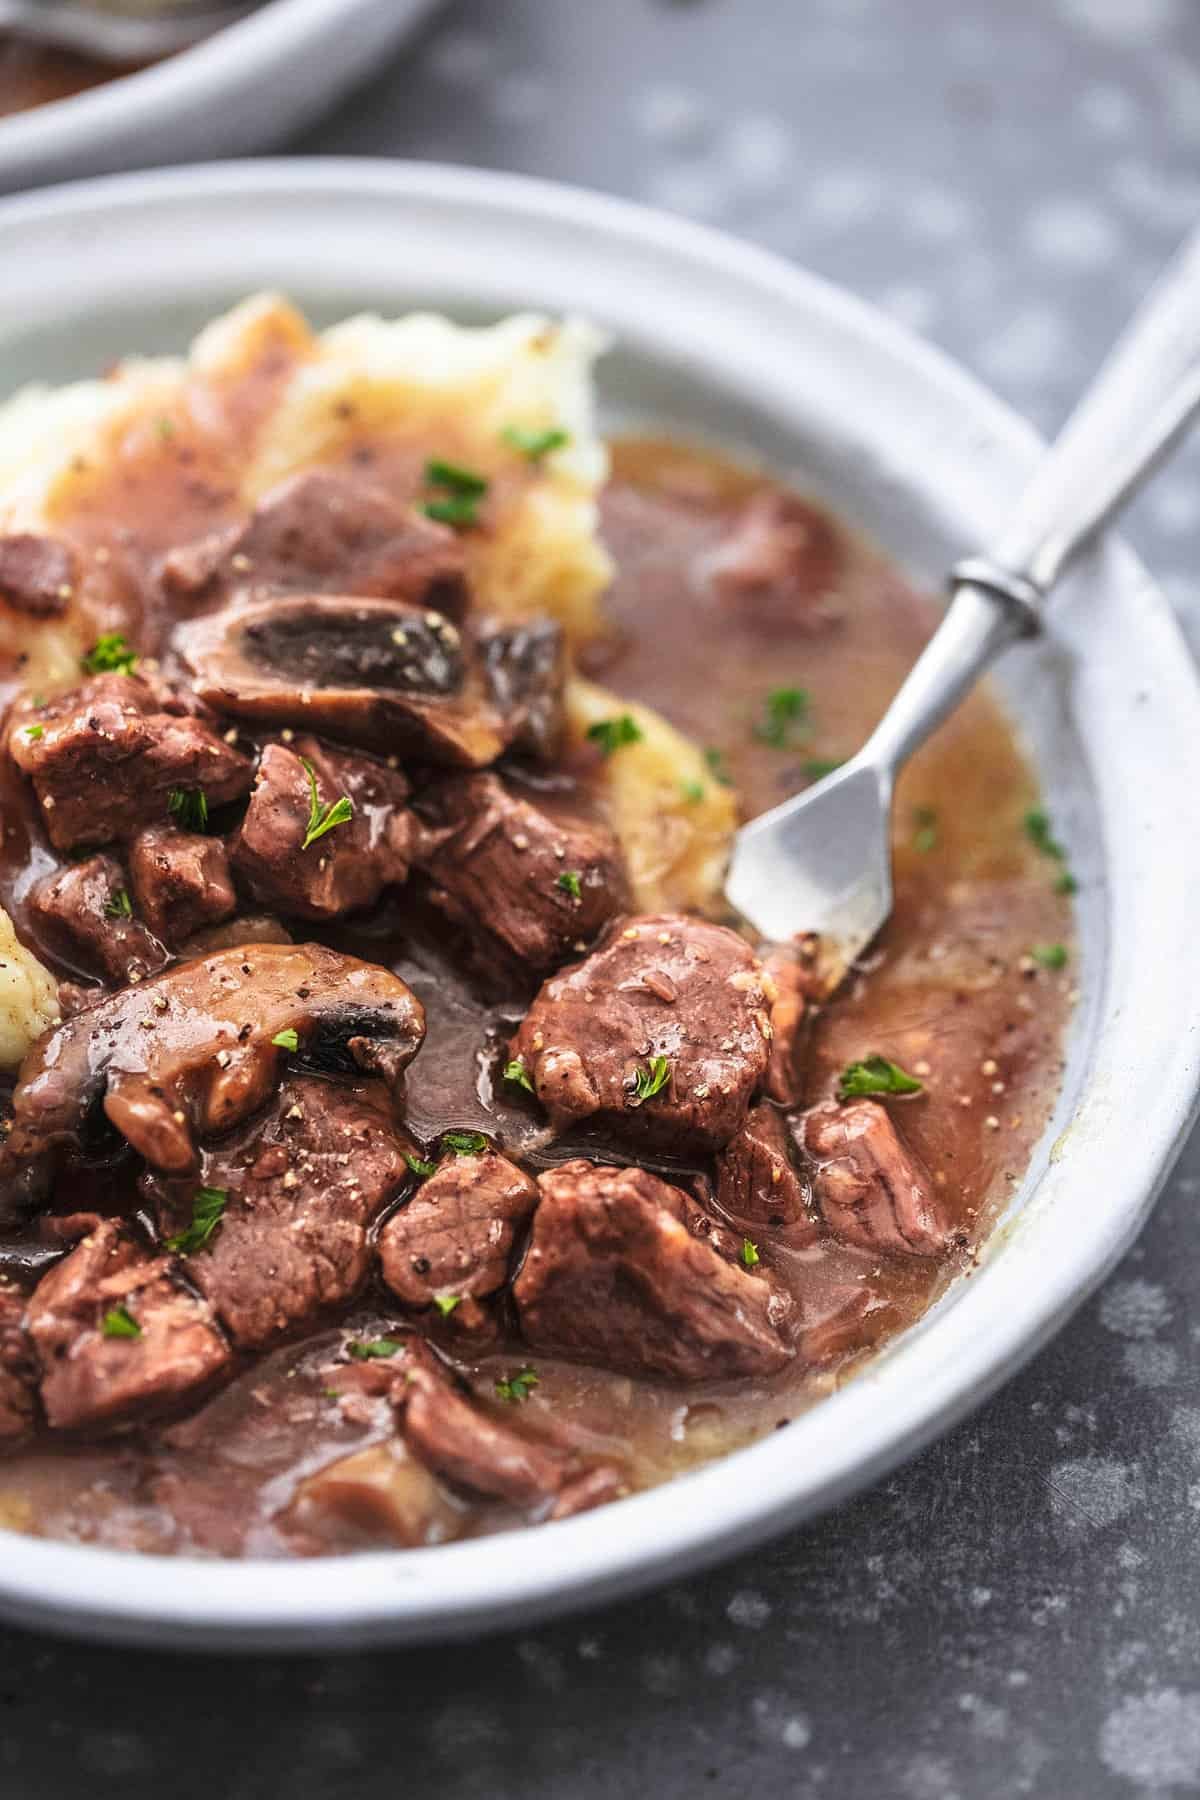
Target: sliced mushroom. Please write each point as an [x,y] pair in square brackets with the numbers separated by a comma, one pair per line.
[197,1049]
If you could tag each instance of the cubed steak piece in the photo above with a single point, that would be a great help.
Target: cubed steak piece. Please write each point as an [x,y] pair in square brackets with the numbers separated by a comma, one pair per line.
[797,982]
[757,1183]
[181,881]
[18,1372]
[526,881]
[326,531]
[871,1189]
[88,916]
[525,672]
[118,1336]
[778,565]
[661,1034]
[627,1272]
[301,1184]
[348,866]
[453,1240]
[107,758]
[37,574]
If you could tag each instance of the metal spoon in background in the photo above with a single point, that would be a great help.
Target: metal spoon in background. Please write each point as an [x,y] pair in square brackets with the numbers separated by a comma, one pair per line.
[121,31]
[822,861]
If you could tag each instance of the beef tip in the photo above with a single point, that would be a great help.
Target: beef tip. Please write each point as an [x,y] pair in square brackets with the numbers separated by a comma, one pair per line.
[324,531]
[668,1002]
[37,574]
[757,1184]
[379,1492]
[377,673]
[88,915]
[455,1237]
[506,868]
[246,928]
[628,1272]
[91,1377]
[778,565]
[525,672]
[303,1182]
[18,1373]
[797,982]
[105,759]
[195,1051]
[181,881]
[348,867]
[871,1189]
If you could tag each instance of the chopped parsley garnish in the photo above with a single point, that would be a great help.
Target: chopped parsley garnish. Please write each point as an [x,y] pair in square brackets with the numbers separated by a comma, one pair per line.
[1050,956]
[119,905]
[651,1079]
[749,1254]
[783,709]
[189,808]
[516,1071]
[817,767]
[34,732]
[119,1322]
[692,791]
[165,427]
[517,1387]
[109,655]
[460,510]
[717,767]
[373,1349]
[1040,835]
[464,1143]
[925,829]
[1066,883]
[323,818]
[418,1166]
[614,734]
[569,883]
[287,1039]
[446,1303]
[208,1203]
[876,1075]
[535,444]
[464,489]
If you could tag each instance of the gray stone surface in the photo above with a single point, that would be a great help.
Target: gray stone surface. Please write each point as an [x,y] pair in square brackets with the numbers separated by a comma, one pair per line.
[1018,1611]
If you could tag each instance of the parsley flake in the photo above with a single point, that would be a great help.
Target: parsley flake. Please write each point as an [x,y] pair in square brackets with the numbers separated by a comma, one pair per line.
[818,767]
[460,510]
[208,1204]
[784,708]
[287,1039]
[651,1079]
[373,1349]
[748,1254]
[119,1322]
[876,1075]
[517,1387]
[109,655]
[1050,956]
[1041,836]
[446,1303]
[119,905]
[323,818]
[569,883]
[34,732]
[189,808]
[925,829]
[717,766]
[418,1166]
[464,1143]
[453,476]
[1066,883]
[535,444]
[516,1071]
[692,791]
[614,734]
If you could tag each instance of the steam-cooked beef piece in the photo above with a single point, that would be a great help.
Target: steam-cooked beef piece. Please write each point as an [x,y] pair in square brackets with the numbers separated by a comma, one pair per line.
[661,1034]
[346,868]
[195,1051]
[627,1271]
[381,1491]
[871,1189]
[181,881]
[454,1239]
[325,531]
[757,1184]
[797,982]
[303,1180]
[105,759]
[525,882]
[88,916]
[778,564]
[37,574]
[525,671]
[117,1335]
[18,1374]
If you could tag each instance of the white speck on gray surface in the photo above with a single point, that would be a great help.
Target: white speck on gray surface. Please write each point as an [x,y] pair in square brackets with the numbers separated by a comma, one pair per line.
[1134,1309]
[776,1716]
[758,150]
[671,115]
[748,1609]
[1127,23]
[1093,1491]
[1154,1739]
[1151,1365]
[1072,233]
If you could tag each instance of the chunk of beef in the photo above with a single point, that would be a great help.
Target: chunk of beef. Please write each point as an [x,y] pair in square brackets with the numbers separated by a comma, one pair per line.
[37,574]
[92,1377]
[525,671]
[525,882]
[377,673]
[757,1184]
[797,982]
[663,995]
[197,1050]
[348,867]
[87,915]
[455,1237]
[105,758]
[326,531]
[181,881]
[381,1492]
[18,1373]
[628,1272]
[778,565]
[304,1179]
[871,1189]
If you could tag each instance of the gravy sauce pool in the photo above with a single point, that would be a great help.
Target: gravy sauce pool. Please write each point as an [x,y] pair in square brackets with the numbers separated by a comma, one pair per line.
[950,992]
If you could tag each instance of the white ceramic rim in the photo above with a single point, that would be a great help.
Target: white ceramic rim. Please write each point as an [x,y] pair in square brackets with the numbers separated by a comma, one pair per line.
[723,306]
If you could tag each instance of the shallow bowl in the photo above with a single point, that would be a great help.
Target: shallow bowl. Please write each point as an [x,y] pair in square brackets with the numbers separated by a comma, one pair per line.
[717,339]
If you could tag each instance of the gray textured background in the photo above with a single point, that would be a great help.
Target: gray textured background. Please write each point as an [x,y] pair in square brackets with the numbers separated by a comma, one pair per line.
[1017,1612]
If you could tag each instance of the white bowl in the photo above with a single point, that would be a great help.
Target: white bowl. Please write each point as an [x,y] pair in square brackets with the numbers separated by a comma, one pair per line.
[242,89]
[717,338]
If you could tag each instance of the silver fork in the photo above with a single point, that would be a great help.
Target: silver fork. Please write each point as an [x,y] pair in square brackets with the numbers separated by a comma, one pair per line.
[822,861]
[121,30]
